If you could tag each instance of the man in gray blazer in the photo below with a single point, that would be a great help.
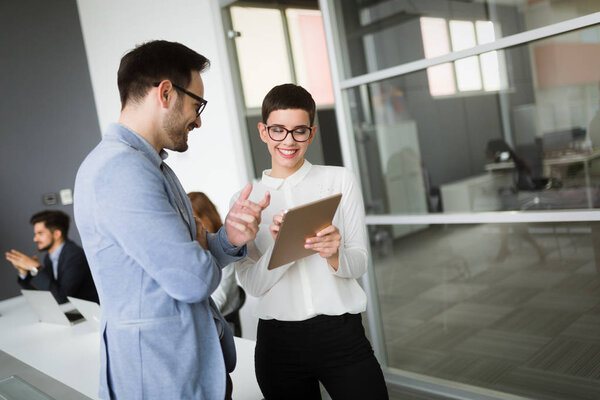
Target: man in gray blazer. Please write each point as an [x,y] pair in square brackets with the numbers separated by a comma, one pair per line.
[154,265]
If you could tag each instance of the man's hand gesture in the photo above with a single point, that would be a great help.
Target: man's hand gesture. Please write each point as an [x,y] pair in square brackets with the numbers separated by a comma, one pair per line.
[241,224]
[22,262]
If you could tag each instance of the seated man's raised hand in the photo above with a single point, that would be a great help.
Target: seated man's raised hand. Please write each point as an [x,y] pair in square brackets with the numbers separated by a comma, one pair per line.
[22,262]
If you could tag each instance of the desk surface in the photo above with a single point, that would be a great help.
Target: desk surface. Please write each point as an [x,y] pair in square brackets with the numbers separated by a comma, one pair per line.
[572,157]
[70,354]
[567,158]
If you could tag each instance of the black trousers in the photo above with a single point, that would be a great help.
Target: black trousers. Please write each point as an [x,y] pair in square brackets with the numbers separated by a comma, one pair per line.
[293,357]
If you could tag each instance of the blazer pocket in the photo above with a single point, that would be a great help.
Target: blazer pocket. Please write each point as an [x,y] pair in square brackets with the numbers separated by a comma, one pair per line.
[144,322]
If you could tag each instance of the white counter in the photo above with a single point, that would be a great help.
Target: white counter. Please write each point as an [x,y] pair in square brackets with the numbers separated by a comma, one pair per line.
[70,354]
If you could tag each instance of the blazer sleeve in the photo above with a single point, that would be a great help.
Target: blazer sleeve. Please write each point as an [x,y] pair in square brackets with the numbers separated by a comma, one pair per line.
[222,250]
[134,211]
[42,280]
[25,283]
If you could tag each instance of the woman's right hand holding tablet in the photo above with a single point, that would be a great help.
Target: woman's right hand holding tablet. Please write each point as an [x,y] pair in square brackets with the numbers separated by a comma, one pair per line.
[277,220]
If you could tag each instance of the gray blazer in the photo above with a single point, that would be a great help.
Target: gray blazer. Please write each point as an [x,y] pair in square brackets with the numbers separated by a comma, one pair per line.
[74,277]
[159,336]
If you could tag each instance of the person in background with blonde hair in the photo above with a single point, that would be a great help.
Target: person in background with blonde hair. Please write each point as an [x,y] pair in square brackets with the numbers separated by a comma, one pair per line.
[229,297]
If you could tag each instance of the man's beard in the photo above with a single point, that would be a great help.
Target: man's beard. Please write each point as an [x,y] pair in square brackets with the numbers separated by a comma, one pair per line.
[46,248]
[175,129]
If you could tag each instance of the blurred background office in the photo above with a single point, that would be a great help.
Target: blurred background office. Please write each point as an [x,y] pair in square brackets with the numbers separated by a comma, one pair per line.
[472,124]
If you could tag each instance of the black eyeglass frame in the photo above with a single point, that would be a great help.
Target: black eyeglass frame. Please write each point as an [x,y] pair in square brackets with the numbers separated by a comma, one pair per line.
[192,95]
[289,131]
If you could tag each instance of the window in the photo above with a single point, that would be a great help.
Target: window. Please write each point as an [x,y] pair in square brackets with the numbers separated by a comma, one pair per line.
[263,55]
[276,44]
[309,50]
[261,51]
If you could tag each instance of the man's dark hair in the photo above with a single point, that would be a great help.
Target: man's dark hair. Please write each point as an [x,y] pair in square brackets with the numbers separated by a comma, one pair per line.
[153,62]
[288,96]
[53,219]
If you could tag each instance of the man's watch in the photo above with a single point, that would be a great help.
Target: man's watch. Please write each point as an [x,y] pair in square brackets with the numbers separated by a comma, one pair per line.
[33,271]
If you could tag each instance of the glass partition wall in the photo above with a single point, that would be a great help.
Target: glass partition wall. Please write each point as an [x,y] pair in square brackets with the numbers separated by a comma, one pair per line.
[473,127]
[507,308]
[525,145]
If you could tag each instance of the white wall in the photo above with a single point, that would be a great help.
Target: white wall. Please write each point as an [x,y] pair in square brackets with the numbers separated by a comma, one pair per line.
[216,160]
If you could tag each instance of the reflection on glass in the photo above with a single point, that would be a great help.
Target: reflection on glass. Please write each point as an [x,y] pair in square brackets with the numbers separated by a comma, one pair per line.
[435,37]
[485,72]
[14,388]
[441,80]
[533,147]
[381,34]
[462,34]
[436,43]
[490,68]
[485,32]
[512,308]
[467,74]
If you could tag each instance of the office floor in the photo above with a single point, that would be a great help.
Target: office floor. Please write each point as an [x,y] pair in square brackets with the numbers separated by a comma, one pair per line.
[501,307]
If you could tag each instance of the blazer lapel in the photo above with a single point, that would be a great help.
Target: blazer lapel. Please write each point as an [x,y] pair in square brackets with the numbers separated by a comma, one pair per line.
[176,197]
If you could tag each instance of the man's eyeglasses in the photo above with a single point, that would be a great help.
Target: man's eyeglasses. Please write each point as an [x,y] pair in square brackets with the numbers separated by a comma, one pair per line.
[192,95]
[279,133]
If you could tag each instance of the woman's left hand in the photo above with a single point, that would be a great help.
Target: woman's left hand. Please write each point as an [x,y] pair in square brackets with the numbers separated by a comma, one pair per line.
[327,244]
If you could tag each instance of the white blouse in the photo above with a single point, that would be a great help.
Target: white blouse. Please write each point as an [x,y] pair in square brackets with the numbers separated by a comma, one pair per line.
[310,286]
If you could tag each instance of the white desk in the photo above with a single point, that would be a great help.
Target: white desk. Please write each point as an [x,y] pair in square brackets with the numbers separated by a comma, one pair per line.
[71,354]
[585,158]
[474,194]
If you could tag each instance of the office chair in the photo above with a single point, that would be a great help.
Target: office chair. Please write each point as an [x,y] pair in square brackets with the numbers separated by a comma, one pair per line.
[530,190]
[533,187]
[529,183]
[497,150]
[528,161]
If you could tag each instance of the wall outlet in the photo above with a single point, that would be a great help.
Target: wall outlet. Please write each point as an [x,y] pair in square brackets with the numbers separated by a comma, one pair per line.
[49,199]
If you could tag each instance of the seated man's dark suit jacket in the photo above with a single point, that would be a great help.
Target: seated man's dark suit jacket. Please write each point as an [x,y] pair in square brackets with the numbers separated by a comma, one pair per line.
[74,276]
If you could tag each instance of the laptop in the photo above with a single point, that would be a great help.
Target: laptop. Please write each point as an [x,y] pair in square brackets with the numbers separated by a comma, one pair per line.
[48,310]
[89,309]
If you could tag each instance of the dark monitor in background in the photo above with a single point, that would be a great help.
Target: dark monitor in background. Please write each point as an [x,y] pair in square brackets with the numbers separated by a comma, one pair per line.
[562,139]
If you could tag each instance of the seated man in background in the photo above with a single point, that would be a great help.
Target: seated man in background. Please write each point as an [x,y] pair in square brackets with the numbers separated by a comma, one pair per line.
[65,271]
[228,296]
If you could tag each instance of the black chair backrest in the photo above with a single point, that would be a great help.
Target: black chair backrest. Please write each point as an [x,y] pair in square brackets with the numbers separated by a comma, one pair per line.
[532,156]
[494,148]
[529,161]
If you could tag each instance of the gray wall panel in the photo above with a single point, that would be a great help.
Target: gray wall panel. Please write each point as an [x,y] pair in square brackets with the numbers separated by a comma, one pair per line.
[47,113]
